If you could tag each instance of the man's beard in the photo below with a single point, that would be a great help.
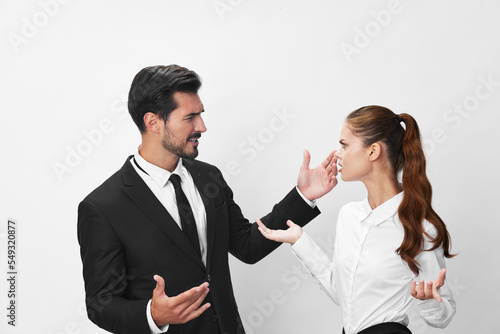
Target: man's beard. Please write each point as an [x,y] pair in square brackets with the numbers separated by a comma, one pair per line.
[179,149]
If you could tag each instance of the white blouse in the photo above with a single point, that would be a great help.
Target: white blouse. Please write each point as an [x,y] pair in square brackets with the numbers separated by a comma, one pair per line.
[366,278]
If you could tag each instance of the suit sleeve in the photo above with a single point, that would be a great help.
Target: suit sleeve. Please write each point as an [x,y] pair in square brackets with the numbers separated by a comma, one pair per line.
[105,275]
[245,241]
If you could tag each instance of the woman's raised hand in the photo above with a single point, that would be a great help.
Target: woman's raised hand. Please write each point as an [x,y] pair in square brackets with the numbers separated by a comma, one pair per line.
[290,235]
[428,290]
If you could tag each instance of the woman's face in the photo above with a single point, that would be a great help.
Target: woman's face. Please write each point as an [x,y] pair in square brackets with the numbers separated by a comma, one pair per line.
[353,156]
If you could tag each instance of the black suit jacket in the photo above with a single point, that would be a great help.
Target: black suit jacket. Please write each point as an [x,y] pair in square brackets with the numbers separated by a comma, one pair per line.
[126,236]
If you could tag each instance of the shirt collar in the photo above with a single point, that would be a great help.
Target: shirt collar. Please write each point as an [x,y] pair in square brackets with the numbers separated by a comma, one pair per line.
[160,175]
[382,212]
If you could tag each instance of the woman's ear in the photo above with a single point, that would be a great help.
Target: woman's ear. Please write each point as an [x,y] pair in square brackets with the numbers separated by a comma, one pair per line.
[375,150]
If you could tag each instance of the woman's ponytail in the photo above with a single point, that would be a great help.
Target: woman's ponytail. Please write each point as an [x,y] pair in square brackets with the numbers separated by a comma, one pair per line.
[417,200]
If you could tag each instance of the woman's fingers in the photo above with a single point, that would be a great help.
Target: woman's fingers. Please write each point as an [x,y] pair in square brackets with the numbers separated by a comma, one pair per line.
[290,235]
[426,290]
[413,289]
[435,293]
[441,278]
[266,232]
[261,225]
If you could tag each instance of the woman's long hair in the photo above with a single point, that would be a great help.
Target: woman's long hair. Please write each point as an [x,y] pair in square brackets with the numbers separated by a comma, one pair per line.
[405,152]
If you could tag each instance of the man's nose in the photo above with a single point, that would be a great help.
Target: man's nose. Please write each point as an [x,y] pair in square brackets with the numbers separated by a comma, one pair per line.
[200,125]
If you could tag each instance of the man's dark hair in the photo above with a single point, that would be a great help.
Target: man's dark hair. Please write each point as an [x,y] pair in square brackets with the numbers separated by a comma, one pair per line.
[153,88]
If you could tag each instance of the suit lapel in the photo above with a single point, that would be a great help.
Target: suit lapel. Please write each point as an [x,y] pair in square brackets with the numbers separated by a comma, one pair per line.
[201,181]
[142,196]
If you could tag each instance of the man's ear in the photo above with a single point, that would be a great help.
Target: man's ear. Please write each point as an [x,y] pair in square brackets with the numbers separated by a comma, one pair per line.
[375,150]
[152,122]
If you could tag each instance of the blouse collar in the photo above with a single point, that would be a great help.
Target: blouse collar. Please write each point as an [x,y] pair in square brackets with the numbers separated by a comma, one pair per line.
[382,212]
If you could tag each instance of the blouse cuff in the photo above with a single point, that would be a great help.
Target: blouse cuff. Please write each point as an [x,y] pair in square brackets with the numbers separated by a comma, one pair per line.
[302,248]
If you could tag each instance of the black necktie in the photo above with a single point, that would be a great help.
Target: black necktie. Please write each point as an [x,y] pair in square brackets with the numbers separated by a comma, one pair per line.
[187,218]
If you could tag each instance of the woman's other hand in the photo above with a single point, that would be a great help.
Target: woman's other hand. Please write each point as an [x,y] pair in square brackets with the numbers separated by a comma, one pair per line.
[428,290]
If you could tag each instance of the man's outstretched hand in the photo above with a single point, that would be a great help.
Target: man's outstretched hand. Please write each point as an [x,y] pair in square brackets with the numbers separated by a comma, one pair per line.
[179,309]
[314,183]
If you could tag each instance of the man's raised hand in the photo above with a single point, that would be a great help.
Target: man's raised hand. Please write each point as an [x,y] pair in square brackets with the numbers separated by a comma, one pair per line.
[179,309]
[314,183]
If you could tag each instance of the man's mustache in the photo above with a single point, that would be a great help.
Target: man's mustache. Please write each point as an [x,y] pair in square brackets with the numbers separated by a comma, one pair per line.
[195,136]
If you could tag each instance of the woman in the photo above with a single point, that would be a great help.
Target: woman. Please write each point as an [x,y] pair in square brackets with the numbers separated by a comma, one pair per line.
[389,241]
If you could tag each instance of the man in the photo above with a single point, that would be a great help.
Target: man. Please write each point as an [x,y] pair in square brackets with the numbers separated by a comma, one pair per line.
[168,218]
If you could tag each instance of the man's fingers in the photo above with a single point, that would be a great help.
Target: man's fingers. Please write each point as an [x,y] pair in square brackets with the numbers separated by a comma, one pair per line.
[197,312]
[306,161]
[192,304]
[179,309]
[329,160]
[333,182]
[334,164]
[160,286]
[191,295]
[290,223]
[333,161]
[188,303]
[199,300]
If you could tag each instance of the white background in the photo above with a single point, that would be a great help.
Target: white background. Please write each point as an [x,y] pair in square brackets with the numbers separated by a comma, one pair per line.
[66,68]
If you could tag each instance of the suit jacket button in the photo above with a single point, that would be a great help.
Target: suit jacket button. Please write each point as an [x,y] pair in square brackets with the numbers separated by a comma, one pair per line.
[214,317]
[208,277]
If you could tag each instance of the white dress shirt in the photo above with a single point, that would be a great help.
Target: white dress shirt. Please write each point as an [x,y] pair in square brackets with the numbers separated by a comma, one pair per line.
[366,278]
[157,179]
